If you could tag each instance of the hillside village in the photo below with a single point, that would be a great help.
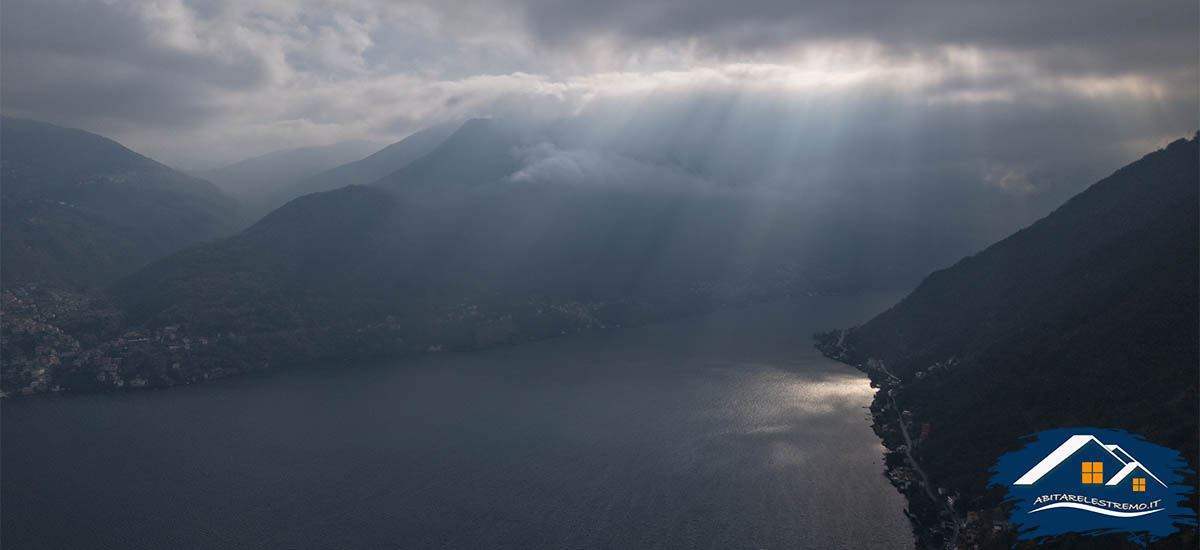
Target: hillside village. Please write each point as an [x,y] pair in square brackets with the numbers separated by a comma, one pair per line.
[55,340]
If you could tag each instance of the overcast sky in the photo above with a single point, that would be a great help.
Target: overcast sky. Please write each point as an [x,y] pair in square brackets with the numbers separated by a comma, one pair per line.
[189,81]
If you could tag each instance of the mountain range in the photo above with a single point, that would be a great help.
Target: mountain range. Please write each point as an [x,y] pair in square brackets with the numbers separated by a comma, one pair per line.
[493,232]
[388,267]
[116,267]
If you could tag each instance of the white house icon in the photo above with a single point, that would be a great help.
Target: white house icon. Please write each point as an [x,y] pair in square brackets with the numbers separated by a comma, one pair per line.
[1074,444]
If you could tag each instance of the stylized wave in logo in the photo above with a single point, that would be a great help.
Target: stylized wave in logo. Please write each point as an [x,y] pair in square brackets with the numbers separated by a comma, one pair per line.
[1093,509]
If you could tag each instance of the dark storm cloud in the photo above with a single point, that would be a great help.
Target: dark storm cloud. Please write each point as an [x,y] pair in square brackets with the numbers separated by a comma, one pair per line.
[1101,34]
[225,79]
[85,62]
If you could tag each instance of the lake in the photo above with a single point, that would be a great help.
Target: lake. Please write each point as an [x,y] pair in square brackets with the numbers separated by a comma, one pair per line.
[723,431]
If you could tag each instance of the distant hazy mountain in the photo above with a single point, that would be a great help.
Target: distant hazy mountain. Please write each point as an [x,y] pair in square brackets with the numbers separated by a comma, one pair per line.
[81,210]
[254,179]
[1086,318]
[362,171]
[261,175]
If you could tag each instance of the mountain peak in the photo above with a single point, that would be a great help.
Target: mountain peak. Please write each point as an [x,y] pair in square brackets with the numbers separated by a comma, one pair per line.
[479,152]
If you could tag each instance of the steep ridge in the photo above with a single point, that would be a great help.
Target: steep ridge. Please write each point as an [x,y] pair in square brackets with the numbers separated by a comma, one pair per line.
[81,210]
[1089,317]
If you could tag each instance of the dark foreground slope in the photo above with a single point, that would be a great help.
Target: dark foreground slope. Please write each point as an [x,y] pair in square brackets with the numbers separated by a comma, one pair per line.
[1086,318]
[80,210]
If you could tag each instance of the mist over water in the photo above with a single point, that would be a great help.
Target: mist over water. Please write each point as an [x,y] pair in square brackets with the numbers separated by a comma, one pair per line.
[722,431]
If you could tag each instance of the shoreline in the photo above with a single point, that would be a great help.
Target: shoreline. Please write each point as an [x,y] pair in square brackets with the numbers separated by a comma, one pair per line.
[934,522]
[173,356]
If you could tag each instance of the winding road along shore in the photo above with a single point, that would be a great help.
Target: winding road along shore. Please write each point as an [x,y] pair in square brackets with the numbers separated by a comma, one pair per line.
[908,447]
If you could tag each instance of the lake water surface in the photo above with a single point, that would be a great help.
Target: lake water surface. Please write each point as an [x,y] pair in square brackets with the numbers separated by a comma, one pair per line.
[725,431]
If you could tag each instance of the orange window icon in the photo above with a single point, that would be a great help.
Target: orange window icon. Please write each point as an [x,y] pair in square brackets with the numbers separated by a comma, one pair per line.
[1093,473]
[1139,484]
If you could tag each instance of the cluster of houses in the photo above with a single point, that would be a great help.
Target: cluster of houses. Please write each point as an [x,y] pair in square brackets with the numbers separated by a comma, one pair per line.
[27,373]
[34,347]
[582,314]
[981,527]
[936,368]
[904,478]
[38,353]
[165,342]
